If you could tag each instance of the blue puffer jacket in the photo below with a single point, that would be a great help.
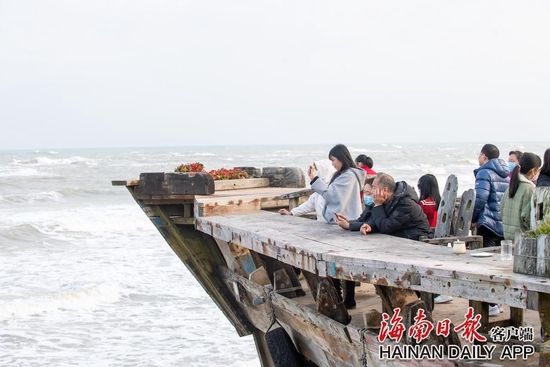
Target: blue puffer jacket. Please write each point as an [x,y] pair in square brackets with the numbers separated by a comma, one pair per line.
[491,182]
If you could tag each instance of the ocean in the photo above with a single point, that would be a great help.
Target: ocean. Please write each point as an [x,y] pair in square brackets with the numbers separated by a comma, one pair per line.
[87,280]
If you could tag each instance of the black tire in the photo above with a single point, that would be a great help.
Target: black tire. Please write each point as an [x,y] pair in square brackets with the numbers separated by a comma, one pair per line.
[282,349]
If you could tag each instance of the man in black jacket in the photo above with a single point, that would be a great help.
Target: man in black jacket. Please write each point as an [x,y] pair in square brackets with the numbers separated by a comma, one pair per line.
[396,211]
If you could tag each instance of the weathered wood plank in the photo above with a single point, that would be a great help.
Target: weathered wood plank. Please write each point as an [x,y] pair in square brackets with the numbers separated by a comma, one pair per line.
[544,314]
[125,182]
[184,221]
[297,194]
[465,213]
[324,341]
[164,199]
[240,201]
[259,276]
[446,207]
[222,185]
[175,183]
[378,259]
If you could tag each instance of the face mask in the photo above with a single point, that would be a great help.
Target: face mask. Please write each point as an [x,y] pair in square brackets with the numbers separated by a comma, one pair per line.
[535,176]
[368,200]
[511,166]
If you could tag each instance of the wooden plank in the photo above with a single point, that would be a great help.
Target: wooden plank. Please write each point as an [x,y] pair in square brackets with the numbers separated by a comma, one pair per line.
[297,194]
[481,308]
[446,207]
[230,206]
[378,259]
[328,302]
[544,314]
[125,183]
[324,341]
[240,201]
[222,185]
[259,276]
[544,358]
[183,221]
[164,199]
[174,183]
[465,213]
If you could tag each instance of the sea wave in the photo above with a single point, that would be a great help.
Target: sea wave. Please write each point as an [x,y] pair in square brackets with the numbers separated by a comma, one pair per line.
[56,195]
[54,162]
[68,225]
[86,298]
[199,154]
[26,172]
[31,198]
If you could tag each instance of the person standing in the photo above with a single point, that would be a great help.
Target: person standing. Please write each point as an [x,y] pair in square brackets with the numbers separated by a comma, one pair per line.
[516,202]
[544,177]
[341,195]
[491,182]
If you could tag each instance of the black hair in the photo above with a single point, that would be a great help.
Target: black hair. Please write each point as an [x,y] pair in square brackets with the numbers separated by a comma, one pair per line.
[369,180]
[341,152]
[366,160]
[545,168]
[517,153]
[429,188]
[490,151]
[527,162]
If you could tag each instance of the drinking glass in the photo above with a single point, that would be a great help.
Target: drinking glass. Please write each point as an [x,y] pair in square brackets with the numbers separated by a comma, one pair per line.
[506,250]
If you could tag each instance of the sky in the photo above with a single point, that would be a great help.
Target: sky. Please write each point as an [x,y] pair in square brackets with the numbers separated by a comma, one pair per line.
[123,73]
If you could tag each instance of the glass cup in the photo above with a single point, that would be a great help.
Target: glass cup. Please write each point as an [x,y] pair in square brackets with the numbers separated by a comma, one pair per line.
[506,250]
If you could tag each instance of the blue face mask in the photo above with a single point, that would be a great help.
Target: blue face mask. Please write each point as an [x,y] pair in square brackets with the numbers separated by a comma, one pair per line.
[511,166]
[368,200]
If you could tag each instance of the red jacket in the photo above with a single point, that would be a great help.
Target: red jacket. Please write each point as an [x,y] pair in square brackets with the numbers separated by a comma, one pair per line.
[428,206]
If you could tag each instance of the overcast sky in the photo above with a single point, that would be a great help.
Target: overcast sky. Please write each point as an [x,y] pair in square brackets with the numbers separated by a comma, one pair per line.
[170,73]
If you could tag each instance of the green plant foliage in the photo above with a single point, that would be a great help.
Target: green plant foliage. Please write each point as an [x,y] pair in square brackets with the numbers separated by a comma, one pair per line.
[543,228]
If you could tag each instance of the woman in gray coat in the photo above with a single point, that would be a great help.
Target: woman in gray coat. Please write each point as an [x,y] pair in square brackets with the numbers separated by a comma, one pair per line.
[343,193]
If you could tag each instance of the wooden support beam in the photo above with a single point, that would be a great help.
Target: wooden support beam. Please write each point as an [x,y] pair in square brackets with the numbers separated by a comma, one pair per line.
[544,314]
[544,357]
[481,308]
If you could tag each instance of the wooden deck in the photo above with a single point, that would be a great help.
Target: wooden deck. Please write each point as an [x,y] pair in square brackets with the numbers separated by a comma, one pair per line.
[225,238]
[328,250]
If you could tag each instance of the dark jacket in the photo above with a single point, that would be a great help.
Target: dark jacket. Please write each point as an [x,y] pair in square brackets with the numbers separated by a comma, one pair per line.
[543,180]
[491,183]
[401,216]
[355,225]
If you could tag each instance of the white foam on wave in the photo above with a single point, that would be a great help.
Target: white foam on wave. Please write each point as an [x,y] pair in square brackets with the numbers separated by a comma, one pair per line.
[206,154]
[26,172]
[82,299]
[46,161]
[31,198]
[69,224]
